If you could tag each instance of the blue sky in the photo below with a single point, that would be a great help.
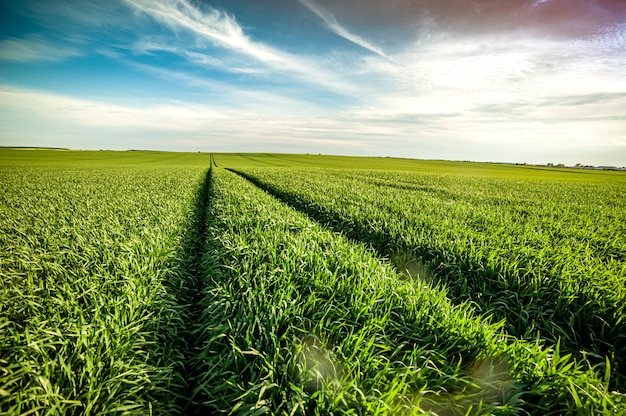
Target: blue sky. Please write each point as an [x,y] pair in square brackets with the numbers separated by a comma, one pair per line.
[532,81]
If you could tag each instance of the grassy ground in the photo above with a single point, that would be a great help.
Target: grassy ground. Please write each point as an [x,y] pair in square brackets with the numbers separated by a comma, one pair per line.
[94,276]
[136,283]
[495,170]
[241,160]
[42,157]
[546,257]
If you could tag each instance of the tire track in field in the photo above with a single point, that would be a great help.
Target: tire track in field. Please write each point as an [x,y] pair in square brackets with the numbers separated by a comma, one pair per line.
[189,297]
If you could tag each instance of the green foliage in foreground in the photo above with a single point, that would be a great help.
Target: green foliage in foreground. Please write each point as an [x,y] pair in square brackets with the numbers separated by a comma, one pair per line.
[546,257]
[121,293]
[298,320]
[92,262]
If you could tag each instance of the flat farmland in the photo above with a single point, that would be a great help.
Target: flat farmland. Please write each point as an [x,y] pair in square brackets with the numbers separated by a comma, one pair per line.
[195,283]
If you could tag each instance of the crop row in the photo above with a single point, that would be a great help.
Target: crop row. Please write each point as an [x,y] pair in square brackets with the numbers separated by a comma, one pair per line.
[547,258]
[92,269]
[299,320]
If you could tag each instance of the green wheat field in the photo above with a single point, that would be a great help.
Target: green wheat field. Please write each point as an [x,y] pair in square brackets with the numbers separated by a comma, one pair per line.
[156,283]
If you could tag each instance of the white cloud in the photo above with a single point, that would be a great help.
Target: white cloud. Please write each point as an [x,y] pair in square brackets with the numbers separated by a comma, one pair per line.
[522,72]
[35,116]
[539,2]
[33,50]
[148,46]
[242,100]
[72,111]
[517,97]
[340,30]
[222,30]
[45,119]
[218,27]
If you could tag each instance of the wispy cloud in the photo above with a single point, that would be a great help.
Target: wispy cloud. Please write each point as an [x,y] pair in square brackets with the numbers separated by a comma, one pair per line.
[149,46]
[610,39]
[38,118]
[538,2]
[218,27]
[232,99]
[463,85]
[460,72]
[83,112]
[340,30]
[34,50]
[222,30]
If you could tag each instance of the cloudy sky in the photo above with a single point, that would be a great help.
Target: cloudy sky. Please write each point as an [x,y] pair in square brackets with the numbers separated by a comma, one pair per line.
[495,80]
